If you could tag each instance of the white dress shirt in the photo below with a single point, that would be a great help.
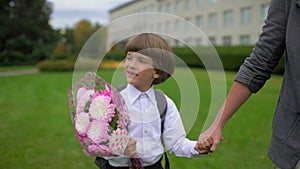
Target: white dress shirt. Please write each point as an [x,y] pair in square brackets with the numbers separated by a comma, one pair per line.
[145,127]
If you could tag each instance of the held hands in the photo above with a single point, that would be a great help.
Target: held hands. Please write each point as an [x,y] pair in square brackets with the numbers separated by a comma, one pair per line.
[131,148]
[204,144]
[209,140]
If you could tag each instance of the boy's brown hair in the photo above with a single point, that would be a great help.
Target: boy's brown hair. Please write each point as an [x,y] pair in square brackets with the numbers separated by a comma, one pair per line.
[155,47]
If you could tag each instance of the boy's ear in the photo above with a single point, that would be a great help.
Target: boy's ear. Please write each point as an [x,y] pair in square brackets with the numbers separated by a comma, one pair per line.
[156,75]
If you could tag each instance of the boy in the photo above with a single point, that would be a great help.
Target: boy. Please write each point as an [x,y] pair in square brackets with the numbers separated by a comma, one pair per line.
[149,61]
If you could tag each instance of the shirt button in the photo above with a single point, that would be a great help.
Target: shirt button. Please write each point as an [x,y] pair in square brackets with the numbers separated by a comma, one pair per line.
[146,131]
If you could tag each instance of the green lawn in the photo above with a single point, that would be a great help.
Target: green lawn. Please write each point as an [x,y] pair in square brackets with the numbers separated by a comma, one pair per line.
[12,68]
[36,130]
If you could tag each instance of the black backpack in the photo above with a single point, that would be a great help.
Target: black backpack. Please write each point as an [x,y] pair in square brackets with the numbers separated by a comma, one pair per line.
[162,108]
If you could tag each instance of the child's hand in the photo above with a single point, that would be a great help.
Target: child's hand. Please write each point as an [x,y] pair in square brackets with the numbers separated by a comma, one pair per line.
[204,144]
[131,148]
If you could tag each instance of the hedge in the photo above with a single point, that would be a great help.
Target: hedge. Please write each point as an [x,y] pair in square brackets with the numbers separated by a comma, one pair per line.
[55,65]
[231,58]
[68,65]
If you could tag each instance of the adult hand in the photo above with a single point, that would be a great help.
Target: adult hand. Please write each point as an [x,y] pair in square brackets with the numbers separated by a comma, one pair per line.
[204,144]
[237,95]
[131,148]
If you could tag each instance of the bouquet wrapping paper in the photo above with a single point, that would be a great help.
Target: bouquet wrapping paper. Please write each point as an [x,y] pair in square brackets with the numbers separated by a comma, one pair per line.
[99,116]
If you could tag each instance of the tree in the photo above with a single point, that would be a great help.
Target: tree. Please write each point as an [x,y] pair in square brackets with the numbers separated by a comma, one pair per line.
[25,34]
[61,49]
[81,33]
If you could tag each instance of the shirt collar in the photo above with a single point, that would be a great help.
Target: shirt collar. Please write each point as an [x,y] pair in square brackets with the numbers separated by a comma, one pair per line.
[134,93]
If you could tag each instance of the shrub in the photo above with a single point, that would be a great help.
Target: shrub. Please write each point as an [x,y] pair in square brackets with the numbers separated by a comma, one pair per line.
[55,65]
[232,57]
[68,65]
[118,54]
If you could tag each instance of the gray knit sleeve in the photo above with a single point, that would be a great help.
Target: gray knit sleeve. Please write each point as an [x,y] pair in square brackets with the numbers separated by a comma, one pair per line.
[257,68]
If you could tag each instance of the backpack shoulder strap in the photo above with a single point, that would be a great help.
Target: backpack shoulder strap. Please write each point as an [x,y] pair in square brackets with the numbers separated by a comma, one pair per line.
[162,106]
[121,88]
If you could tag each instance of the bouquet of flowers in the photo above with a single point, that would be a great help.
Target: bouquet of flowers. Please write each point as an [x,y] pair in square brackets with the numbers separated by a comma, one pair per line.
[99,117]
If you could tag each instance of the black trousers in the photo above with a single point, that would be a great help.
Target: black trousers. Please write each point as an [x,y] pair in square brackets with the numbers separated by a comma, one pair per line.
[104,164]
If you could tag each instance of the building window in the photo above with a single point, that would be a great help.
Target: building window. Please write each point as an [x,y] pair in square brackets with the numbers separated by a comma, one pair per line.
[151,27]
[227,41]
[145,9]
[160,7]
[200,2]
[152,8]
[187,26]
[177,42]
[168,7]
[228,18]
[212,20]
[246,15]
[159,27]
[212,40]
[177,25]
[213,1]
[245,40]
[178,6]
[188,40]
[188,4]
[198,41]
[264,11]
[167,25]
[199,21]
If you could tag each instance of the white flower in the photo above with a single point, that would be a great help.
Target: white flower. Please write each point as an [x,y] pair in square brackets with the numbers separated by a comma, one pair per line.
[101,109]
[83,96]
[118,141]
[97,131]
[82,121]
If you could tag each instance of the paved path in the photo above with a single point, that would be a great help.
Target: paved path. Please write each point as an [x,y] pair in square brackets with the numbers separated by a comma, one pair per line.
[19,72]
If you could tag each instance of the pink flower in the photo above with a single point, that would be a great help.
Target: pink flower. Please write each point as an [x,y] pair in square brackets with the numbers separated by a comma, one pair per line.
[102,109]
[96,94]
[99,149]
[98,131]
[107,92]
[118,141]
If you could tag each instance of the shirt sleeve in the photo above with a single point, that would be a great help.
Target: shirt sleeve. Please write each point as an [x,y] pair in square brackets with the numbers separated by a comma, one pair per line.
[257,68]
[174,135]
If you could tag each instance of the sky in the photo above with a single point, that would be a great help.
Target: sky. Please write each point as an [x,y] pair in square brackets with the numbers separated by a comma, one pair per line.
[66,13]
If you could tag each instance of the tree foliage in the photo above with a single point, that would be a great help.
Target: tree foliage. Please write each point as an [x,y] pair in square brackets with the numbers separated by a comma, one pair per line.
[25,34]
[73,39]
[81,33]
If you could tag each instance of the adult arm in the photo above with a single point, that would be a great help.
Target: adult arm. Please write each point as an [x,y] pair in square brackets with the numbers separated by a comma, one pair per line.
[238,94]
[255,71]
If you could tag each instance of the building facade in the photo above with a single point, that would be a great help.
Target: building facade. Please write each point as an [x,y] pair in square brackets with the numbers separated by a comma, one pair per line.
[224,22]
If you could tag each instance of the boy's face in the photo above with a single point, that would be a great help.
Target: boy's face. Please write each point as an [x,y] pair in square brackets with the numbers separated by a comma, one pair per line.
[139,70]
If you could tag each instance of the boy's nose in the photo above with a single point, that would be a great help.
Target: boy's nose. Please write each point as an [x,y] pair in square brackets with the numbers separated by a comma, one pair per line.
[132,63]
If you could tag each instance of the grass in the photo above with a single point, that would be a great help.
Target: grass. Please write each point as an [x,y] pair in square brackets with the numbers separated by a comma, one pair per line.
[12,68]
[36,130]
